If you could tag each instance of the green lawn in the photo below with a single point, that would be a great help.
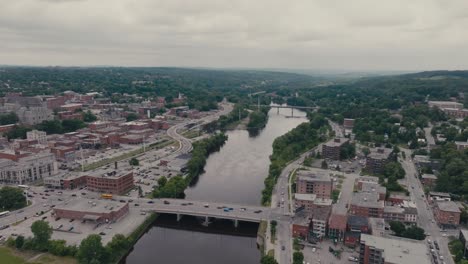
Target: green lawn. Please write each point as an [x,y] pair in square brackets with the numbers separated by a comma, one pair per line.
[10,256]
[6,256]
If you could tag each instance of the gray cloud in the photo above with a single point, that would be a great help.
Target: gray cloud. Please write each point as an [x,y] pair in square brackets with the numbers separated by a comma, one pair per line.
[314,34]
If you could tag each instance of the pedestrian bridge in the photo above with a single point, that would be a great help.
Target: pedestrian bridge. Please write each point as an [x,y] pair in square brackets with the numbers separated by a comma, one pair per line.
[208,210]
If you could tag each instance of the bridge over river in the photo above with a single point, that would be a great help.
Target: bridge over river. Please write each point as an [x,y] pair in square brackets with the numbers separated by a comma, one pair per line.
[208,210]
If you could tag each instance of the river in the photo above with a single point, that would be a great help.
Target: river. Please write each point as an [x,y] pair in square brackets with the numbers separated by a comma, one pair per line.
[235,174]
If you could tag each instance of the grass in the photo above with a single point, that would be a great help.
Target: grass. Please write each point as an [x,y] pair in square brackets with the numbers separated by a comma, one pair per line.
[191,133]
[10,256]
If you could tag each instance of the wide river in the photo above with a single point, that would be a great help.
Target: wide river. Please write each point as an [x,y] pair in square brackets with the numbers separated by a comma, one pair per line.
[235,174]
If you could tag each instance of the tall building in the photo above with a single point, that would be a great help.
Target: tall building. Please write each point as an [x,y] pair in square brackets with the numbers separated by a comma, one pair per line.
[377,159]
[367,205]
[384,250]
[30,110]
[332,149]
[28,169]
[316,182]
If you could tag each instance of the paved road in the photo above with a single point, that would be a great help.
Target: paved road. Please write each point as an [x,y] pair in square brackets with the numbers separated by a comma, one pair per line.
[425,215]
[202,208]
[185,144]
[430,139]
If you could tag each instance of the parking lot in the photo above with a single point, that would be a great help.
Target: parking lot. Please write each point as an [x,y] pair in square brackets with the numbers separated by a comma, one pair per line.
[320,254]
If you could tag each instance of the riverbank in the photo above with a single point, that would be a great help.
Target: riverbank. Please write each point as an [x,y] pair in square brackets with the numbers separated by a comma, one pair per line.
[290,146]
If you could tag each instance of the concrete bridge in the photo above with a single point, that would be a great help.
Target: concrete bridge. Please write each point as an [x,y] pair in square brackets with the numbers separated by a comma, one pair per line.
[235,212]
[288,106]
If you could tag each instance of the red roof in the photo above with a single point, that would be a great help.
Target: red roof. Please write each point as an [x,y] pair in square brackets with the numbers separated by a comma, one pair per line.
[337,221]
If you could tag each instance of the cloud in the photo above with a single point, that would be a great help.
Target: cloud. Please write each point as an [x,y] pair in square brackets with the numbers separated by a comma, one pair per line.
[358,34]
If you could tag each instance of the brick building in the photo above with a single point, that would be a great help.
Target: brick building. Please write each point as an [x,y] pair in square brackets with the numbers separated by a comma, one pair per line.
[356,225]
[98,211]
[317,182]
[310,201]
[348,123]
[337,226]
[367,205]
[377,159]
[332,149]
[447,213]
[428,180]
[318,224]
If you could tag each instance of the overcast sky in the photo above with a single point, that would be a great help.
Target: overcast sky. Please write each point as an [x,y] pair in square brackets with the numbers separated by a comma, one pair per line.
[306,34]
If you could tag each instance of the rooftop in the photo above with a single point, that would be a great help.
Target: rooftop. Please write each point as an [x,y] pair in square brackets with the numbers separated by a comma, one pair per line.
[364,199]
[91,206]
[337,221]
[380,153]
[398,250]
[305,196]
[448,206]
[440,194]
[320,213]
[372,187]
[355,220]
[113,174]
[313,176]
[336,142]
[429,176]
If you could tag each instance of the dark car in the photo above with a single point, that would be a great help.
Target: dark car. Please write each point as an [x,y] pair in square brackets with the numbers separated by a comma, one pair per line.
[137,204]
[122,201]
[150,201]
[74,195]
[258,211]
[71,220]
[102,234]
[166,202]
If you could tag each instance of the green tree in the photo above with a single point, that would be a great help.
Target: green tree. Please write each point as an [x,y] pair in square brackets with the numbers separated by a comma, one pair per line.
[131,117]
[42,233]
[51,127]
[268,260]
[89,117]
[71,125]
[366,151]
[118,245]
[19,242]
[134,162]
[397,227]
[162,181]
[414,232]
[298,258]
[7,119]
[17,132]
[12,198]
[91,251]
[57,247]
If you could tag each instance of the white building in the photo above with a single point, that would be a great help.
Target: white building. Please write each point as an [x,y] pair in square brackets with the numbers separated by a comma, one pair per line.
[28,169]
[40,136]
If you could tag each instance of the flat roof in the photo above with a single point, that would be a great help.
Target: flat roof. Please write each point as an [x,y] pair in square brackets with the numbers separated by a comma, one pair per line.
[380,153]
[91,206]
[336,142]
[448,206]
[372,187]
[429,176]
[398,250]
[313,175]
[367,199]
[305,196]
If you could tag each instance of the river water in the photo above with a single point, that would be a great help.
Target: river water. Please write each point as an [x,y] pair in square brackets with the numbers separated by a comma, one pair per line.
[235,174]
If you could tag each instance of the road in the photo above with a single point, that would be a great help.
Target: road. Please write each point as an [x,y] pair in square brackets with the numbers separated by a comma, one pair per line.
[430,139]
[185,144]
[425,216]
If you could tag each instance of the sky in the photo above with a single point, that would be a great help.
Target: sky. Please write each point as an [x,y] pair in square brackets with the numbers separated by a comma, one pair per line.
[357,35]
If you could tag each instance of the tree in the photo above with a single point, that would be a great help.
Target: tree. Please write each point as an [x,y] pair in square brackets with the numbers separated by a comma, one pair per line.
[71,125]
[324,165]
[414,232]
[397,227]
[7,119]
[268,260]
[366,151]
[91,250]
[42,233]
[117,245]
[12,198]
[88,116]
[162,181]
[131,117]
[134,162]
[19,242]
[298,258]
[17,132]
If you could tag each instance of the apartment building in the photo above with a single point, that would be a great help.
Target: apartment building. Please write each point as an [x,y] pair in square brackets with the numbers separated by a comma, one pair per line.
[447,213]
[332,149]
[366,205]
[40,136]
[317,182]
[377,159]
